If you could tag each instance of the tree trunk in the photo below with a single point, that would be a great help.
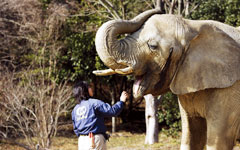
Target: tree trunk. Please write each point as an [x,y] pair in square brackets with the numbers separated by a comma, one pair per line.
[160,5]
[151,119]
[186,7]
[179,7]
[113,118]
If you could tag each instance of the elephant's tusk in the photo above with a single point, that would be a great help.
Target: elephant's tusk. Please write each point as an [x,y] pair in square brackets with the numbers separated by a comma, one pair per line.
[105,72]
[124,71]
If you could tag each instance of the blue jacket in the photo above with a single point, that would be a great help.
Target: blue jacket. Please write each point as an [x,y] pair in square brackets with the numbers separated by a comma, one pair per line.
[88,116]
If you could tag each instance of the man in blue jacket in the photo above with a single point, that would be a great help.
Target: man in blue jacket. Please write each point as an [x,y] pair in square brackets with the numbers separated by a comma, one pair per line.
[88,117]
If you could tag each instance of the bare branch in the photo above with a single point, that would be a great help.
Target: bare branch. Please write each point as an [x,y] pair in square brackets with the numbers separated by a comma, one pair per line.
[193,8]
[31,102]
[110,8]
[172,6]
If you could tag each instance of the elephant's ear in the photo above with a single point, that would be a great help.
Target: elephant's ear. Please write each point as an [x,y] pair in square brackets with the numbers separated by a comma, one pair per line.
[212,61]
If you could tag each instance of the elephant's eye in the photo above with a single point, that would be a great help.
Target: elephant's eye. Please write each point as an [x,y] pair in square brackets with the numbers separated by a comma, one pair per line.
[152,47]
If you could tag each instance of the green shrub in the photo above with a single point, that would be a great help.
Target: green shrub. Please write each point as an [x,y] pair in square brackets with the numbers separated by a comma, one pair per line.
[169,114]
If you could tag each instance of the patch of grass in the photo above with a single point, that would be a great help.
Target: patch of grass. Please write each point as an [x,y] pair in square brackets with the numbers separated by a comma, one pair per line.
[118,141]
[5,146]
[122,141]
[65,143]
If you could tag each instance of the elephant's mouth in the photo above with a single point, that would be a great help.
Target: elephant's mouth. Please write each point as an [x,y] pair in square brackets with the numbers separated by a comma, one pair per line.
[137,83]
[139,86]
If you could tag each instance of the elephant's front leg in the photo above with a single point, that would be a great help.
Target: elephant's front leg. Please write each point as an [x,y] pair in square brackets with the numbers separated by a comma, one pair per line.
[193,131]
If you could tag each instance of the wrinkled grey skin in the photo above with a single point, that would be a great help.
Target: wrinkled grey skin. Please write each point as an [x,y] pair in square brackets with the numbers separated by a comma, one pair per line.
[197,60]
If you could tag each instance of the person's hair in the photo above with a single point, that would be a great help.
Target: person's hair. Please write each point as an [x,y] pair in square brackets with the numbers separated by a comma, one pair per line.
[80,91]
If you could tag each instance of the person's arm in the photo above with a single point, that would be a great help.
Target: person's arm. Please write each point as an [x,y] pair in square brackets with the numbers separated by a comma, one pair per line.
[109,111]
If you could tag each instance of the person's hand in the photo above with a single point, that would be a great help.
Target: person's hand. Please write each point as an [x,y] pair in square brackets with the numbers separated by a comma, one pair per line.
[124,96]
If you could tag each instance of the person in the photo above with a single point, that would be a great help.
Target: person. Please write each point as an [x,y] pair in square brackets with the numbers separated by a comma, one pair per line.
[88,117]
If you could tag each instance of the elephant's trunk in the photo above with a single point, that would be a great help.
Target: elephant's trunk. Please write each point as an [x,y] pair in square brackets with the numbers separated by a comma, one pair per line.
[113,52]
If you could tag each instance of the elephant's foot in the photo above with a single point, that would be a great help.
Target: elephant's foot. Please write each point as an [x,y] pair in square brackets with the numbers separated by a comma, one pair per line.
[220,144]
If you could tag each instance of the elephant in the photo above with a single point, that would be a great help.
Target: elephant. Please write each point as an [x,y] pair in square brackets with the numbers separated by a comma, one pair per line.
[198,60]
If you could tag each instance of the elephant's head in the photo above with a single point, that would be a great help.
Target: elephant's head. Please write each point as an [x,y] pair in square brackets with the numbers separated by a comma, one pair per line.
[167,52]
